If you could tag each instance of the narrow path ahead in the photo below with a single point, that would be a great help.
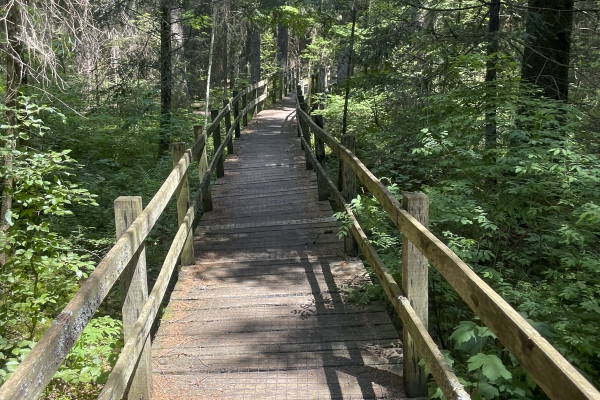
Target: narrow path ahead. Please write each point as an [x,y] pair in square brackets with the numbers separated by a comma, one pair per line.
[262,313]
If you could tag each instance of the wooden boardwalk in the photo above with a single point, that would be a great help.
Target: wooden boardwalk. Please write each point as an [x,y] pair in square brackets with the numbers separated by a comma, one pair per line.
[262,313]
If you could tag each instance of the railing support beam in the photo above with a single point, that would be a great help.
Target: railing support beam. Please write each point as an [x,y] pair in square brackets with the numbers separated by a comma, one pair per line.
[182,195]
[322,187]
[217,144]
[306,134]
[244,105]
[415,288]
[236,113]
[202,160]
[228,127]
[349,192]
[133,286]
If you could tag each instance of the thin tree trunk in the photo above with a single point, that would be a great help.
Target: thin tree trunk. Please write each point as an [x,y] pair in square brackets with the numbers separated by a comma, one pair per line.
[254,54]
[343,58]
[178,43]
[491,73]
[166,77]
[282,46]
[220,70]
[548,46]
[349,71]
[14,80]
[210,62]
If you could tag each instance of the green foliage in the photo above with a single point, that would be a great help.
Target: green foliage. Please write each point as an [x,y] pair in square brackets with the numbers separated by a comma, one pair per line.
[94,354]
[42,271]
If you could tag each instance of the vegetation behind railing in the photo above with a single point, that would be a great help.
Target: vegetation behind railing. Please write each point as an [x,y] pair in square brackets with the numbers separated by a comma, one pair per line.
[126,259]
[555,375]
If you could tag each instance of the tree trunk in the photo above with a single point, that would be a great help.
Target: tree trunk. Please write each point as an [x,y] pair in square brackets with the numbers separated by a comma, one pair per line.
[178,41]
[282,46]
[343,57]
[14,80]
[220,70]
[547,46]
[166,77]
[254,54]
[491,72]
[348,73]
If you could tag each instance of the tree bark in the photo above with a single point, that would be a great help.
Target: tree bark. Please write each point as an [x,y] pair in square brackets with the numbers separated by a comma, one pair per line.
[548,46]
[254,54]
[343,57]
[14,79]
[166,77]
[491,73]
[220,70]
[282,46]
[178,42]
[348,73]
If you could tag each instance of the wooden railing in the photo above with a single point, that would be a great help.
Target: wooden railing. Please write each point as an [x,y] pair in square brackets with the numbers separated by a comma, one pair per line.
[126,259]
[552,372]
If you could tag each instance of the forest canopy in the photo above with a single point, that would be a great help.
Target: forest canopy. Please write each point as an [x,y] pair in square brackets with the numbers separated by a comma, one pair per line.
[490,108]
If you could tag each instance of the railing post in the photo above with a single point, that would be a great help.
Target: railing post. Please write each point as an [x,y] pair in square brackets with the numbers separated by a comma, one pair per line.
[259,93]
[322,187]
[217,143]
[280,85]
[349,192]
[299,90]
[236,113]
[274,90]
[254,97]
[286,81]
[228,128]
[300,101]
[244,105]
[182,194]
[202,168]
[306,133]
[134,293]
[415,287]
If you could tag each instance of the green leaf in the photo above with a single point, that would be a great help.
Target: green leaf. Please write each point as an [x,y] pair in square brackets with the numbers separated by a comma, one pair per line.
[491,366]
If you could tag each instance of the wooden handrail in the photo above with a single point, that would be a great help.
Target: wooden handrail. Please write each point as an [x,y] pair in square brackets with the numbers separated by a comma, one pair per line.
[434,358]
[32,376]
[551,371]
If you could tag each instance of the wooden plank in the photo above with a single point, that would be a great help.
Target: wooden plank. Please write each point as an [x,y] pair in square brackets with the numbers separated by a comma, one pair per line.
[37,369]
[555,375]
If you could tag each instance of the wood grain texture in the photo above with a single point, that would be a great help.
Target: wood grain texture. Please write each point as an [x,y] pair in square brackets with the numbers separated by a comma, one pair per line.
[133,287]
[263,312]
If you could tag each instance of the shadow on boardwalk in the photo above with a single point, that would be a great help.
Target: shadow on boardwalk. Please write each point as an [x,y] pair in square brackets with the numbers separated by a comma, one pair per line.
[262,315]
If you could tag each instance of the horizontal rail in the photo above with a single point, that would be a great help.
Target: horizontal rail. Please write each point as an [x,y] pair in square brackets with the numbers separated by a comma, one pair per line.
[34,373]
[441,371]
[555,375]
[39,366]
[124,368]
